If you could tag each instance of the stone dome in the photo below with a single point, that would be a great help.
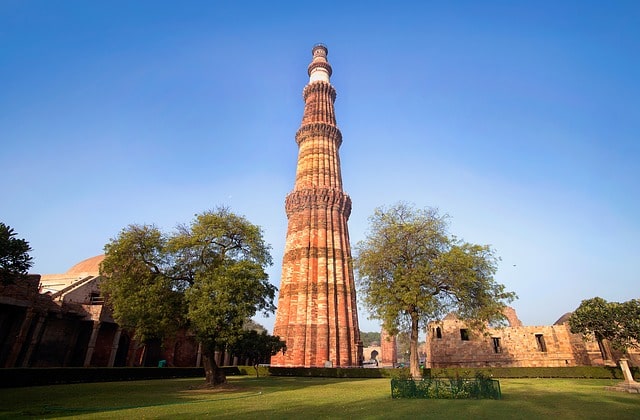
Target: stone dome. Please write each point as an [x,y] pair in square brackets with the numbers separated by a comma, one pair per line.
[563,319]
[90,266]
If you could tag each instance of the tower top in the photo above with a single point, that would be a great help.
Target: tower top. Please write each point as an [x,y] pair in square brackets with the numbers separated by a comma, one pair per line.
[319,69]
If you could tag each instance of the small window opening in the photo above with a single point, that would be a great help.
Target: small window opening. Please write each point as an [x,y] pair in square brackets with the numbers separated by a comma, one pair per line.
[464,334]
[96,299]
[496,345]
[438,332]
[542,346]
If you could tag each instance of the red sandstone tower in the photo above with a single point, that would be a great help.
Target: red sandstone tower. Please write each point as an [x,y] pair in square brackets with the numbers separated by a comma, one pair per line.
[388,349]
[317,314]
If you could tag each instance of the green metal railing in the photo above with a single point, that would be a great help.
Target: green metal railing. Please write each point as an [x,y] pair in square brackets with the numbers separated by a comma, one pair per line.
[450,388]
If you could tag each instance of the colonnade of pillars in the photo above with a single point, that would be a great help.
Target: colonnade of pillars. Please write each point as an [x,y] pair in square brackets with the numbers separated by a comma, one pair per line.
[222,358]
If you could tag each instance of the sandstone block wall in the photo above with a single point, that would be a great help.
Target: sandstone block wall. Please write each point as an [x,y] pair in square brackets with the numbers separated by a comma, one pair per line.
[451,343]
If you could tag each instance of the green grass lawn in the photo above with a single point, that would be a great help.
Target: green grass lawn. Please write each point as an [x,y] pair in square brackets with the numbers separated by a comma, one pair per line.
[311,398]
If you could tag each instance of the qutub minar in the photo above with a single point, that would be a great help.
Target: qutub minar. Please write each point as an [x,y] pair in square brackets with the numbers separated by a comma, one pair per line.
[317,314]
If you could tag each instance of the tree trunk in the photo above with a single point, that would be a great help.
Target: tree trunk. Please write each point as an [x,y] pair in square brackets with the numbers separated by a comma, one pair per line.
[213,374]
[414,360]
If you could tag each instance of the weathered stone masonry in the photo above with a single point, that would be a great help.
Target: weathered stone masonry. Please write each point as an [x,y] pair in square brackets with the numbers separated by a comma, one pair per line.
[317,314]
[451,343]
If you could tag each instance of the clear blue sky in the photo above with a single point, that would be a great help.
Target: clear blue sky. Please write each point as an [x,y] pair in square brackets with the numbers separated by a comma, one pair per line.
[518,119]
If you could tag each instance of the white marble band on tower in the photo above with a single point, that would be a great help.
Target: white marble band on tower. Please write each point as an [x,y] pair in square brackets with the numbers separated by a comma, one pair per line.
[319,69]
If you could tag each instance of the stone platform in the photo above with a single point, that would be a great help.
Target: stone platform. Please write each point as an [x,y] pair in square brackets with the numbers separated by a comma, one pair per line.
[632,388]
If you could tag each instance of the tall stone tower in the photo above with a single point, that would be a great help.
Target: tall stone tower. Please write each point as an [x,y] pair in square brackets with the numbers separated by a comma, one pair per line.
[317,313]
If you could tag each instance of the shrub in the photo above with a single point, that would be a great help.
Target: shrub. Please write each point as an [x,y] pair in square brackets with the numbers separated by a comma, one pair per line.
[449,388]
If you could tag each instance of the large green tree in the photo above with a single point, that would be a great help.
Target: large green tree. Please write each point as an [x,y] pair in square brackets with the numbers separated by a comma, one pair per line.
[412,271]
[15,260]
[209,276]
[618,323]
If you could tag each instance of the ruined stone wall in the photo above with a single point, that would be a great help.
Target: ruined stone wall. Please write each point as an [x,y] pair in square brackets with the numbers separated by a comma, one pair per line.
[53,343]
[11,319]
[372,353]
[104,345]
[65,327]
[514,346]
[21,292]
[181,350]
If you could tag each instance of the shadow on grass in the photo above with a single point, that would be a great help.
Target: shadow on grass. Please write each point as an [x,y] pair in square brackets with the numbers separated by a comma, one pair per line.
[84,399]
[60,411]
[152,395]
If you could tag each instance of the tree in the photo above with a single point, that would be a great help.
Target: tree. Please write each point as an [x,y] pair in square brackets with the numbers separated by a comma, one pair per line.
[629,318]
[15,260]
[370,338]
[618,323]
[209,276]
[256,347]
[595,318]
[138,285]
[411,271]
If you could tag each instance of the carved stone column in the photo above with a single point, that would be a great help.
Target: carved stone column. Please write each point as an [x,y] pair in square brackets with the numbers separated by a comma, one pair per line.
[20,338]
[629,384]
[35,339]
[92,343]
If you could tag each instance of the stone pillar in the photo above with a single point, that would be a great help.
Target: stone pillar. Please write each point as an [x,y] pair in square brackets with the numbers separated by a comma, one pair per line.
[388,349]
[20,338]
[142,355]
[35,339]
[114,347]
[317,313]
[92,343]
[628,376]
[629,384]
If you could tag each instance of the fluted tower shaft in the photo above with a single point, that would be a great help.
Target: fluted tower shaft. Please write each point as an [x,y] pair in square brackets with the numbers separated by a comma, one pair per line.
[317,313]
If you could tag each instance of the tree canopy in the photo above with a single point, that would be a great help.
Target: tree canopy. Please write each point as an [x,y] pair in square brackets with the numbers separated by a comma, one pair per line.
[412,271]
[619,323]
[629,315]
[15,260]
[208,276]
[254,347]
[370,338]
